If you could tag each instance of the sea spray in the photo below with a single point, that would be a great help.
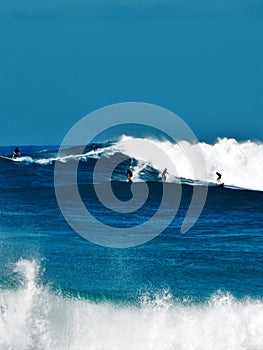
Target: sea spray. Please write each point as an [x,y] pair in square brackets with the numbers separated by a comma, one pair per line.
[23,317]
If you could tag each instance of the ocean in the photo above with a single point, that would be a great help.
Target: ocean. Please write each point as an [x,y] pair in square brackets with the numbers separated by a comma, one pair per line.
[196,290]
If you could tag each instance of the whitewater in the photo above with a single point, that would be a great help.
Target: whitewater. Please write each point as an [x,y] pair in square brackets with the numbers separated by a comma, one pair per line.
[241,163]
[34,317]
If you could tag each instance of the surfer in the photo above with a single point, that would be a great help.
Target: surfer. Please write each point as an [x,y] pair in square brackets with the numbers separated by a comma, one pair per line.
[16,152]
[218,177]
[164,175]
[129,175]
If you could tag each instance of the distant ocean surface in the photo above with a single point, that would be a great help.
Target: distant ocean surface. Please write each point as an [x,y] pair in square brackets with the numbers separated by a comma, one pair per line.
[201,290]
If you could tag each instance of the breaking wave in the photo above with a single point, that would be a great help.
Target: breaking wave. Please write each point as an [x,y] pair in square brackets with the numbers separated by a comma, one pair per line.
[34,317]
[240,163]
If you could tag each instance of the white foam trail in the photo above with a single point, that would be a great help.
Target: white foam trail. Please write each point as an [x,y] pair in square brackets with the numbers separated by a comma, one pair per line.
[33,318]
[25,159]
[83,157]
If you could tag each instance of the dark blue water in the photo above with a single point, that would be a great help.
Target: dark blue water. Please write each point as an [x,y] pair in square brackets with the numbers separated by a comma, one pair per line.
[208,276]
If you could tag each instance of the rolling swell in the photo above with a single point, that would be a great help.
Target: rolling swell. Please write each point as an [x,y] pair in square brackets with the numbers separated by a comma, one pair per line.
[240,162]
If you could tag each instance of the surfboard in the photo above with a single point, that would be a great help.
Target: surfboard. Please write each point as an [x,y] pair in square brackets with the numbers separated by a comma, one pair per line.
[6,157]
[220,185]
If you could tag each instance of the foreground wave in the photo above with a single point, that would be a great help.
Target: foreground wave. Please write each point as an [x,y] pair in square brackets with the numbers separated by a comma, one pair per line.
[34,317]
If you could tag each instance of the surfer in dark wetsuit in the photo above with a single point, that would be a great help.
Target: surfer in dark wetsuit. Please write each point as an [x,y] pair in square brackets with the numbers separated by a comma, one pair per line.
[218,178]
[129,175]
[164,175]
[16,152]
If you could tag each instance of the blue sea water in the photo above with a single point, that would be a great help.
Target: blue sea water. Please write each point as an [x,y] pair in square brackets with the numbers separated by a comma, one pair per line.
[199,290]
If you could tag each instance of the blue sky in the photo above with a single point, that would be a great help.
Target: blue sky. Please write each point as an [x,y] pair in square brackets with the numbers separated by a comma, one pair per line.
[60,60]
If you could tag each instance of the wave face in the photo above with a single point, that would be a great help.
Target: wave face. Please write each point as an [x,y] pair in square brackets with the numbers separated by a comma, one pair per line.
[240,163]
[34,317]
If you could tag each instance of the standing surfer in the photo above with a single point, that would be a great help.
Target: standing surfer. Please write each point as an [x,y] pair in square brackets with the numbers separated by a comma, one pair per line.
[219,178]
[164,175]
[129,175]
